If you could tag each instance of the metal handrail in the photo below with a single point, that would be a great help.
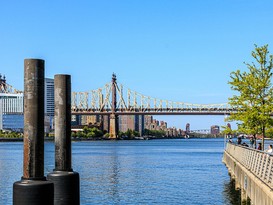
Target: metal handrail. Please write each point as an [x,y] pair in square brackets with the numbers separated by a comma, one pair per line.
[257,162]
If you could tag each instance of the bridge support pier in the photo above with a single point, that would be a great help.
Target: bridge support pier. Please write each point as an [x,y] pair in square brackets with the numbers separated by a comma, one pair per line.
[113,126]
[113,117]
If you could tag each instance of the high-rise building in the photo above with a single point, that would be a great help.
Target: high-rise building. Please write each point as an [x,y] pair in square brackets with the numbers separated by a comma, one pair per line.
[139,124]
[188,130]
[175,132]
[75,120]
[214,129]
[126,122]
[83,119]
[131,122]
[92,119]
[49,104]
[106,123]
[148,119]
[180,132]
[163,125]
[49,97]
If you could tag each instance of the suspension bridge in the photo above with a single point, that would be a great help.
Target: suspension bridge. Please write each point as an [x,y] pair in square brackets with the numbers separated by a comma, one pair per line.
[113,100]
[5,88]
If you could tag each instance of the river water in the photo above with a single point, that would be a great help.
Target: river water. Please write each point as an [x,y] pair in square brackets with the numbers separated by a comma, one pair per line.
[181,171]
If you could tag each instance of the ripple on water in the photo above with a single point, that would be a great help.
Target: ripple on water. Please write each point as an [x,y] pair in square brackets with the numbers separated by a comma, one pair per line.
[135,172]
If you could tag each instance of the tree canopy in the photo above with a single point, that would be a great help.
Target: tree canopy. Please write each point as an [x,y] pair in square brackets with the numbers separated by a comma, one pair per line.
[254,94]
[91,133]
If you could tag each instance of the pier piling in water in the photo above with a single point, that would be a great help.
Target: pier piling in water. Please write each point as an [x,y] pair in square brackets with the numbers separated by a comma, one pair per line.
[66,182]
[33,188]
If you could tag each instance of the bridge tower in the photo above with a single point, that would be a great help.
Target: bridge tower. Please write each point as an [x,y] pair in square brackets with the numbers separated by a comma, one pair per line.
[113,117]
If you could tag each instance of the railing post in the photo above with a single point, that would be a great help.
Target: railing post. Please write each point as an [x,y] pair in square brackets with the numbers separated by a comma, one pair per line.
[33,188]
[66,182]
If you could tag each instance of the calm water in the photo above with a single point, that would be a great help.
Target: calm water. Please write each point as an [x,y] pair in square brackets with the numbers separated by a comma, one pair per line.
[136,172]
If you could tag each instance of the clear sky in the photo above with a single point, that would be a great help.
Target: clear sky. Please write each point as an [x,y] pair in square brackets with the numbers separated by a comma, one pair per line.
[180,50]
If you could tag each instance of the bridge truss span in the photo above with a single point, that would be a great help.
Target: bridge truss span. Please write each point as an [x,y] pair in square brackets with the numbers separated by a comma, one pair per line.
[129,102]
[8,89]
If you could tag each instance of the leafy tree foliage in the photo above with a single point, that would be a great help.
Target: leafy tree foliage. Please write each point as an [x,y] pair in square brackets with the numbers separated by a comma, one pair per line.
[227,131]
[254,99]
[129,134]
[156,133]
[10,134]
[91,133]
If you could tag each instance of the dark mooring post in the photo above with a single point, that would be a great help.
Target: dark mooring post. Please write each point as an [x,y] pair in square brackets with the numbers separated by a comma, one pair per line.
[33,189]
[66,182]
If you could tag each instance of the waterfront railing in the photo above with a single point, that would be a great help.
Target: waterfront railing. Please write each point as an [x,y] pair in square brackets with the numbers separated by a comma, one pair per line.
[259,163]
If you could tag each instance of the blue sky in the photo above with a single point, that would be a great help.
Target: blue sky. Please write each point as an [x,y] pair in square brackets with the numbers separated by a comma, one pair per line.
[180,50]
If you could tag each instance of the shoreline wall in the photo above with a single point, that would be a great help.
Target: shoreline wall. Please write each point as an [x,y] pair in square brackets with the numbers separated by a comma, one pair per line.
[253,173]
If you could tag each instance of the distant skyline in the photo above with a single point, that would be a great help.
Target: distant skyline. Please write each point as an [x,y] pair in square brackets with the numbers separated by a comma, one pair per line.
[180,50]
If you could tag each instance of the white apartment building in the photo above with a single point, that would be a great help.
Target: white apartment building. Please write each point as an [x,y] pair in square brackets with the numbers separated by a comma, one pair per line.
[11,111]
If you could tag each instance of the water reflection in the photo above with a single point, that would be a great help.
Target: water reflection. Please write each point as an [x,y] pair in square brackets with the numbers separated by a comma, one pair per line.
[231,195]
[114,169]
[136,172]
[11,169]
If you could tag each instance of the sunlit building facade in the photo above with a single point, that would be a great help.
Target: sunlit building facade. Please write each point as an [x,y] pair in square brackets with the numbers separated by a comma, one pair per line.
[49,104]
[188,129]
[11,111]
[131,122]
[214,129]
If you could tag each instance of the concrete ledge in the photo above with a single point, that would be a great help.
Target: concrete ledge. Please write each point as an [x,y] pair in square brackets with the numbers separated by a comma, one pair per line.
[256,190]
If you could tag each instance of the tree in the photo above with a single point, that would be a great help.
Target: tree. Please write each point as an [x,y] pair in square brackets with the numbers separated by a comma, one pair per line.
[106,135]
[74,134]
[85,129]
[227,131]
[90,135]
[135,133]
[254,101]
[80,134]
[129,133]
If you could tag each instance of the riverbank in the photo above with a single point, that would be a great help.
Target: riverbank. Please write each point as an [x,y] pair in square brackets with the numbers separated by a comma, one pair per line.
[11,139]
[20,139]
[101,139]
